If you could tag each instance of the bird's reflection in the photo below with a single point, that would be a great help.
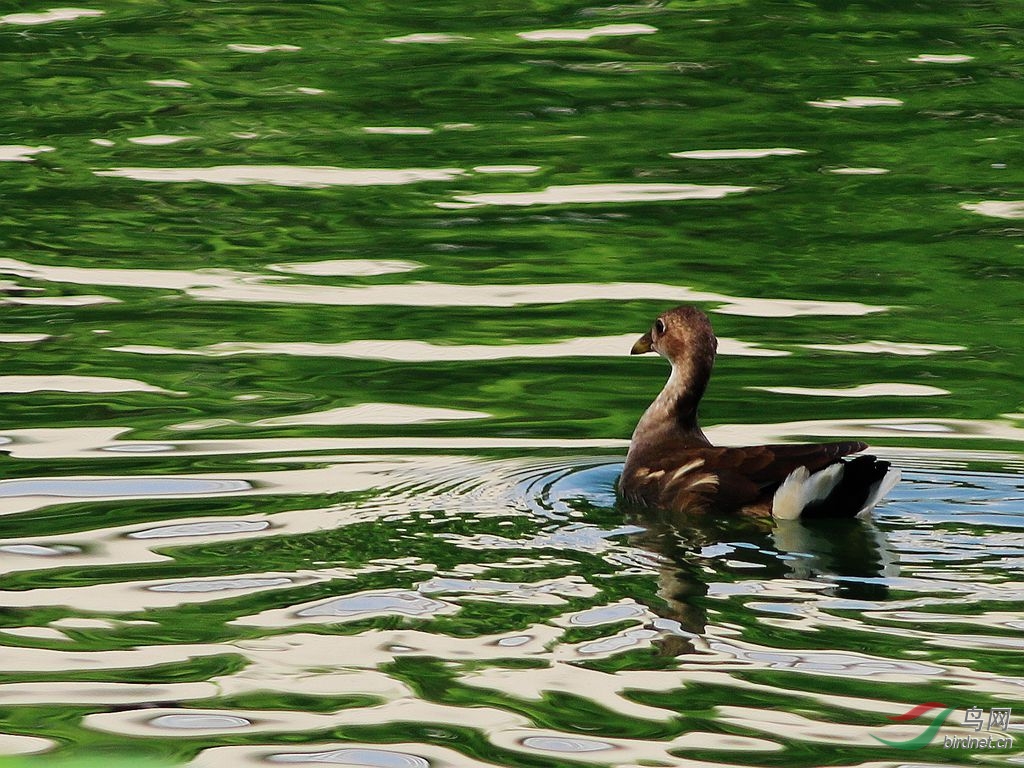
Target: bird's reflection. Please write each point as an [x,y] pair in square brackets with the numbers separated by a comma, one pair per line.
[848,556]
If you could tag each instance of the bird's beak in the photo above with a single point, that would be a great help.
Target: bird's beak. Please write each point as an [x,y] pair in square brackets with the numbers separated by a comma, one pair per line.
[643,344]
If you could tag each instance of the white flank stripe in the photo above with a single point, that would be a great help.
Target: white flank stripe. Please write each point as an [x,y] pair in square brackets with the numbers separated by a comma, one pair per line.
[879,489]
[787,502]
[801,488]
[686,468]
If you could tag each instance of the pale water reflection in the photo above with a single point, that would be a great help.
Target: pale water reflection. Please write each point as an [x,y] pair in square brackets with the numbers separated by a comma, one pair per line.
[67,383]
[262,48]
[425,352]
[347,267]
[399,130]
[888,348]
[169,83]
[736,154]
[312,177]
[434,38]
[997,209]
[879,389]
[374,413]
[159,140]
[607,30]
[50,16]
[597,193]
[857,102]
[23,338]
[378,758]
[19,153]
[230,285]
[316,381]
[941,58]
[846,171]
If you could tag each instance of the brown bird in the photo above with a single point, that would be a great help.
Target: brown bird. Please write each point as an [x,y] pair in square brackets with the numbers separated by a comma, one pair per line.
[671,465]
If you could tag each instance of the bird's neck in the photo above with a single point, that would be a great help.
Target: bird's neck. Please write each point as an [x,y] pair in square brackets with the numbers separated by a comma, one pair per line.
[672,417]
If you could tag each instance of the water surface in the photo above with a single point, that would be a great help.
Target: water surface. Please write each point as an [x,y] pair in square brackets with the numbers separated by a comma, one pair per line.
[316,384]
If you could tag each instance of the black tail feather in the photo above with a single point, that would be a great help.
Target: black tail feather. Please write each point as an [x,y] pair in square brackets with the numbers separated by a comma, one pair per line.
[860,477]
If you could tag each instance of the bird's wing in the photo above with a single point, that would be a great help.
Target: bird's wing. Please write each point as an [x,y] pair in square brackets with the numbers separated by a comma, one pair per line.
[731,477]
[770,464]
[747,473]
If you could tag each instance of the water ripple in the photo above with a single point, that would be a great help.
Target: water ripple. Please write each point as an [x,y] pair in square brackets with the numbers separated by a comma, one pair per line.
[50,16]
[230,285]
[736,154]
[310,177]
[714,643]
[597,193]
[19,153]
[607,30]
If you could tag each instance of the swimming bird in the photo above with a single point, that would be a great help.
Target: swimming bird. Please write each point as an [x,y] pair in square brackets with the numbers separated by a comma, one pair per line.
[672,466]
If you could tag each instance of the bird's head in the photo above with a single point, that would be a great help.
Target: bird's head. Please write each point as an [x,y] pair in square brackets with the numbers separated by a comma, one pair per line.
[679,335]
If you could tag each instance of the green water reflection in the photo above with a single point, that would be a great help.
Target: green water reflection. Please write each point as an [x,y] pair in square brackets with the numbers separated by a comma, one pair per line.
[316,385]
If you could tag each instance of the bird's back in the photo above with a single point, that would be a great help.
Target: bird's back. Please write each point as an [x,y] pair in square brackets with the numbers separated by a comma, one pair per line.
[706,478]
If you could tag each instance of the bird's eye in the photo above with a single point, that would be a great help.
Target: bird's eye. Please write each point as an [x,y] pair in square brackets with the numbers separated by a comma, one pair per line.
[659,326]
